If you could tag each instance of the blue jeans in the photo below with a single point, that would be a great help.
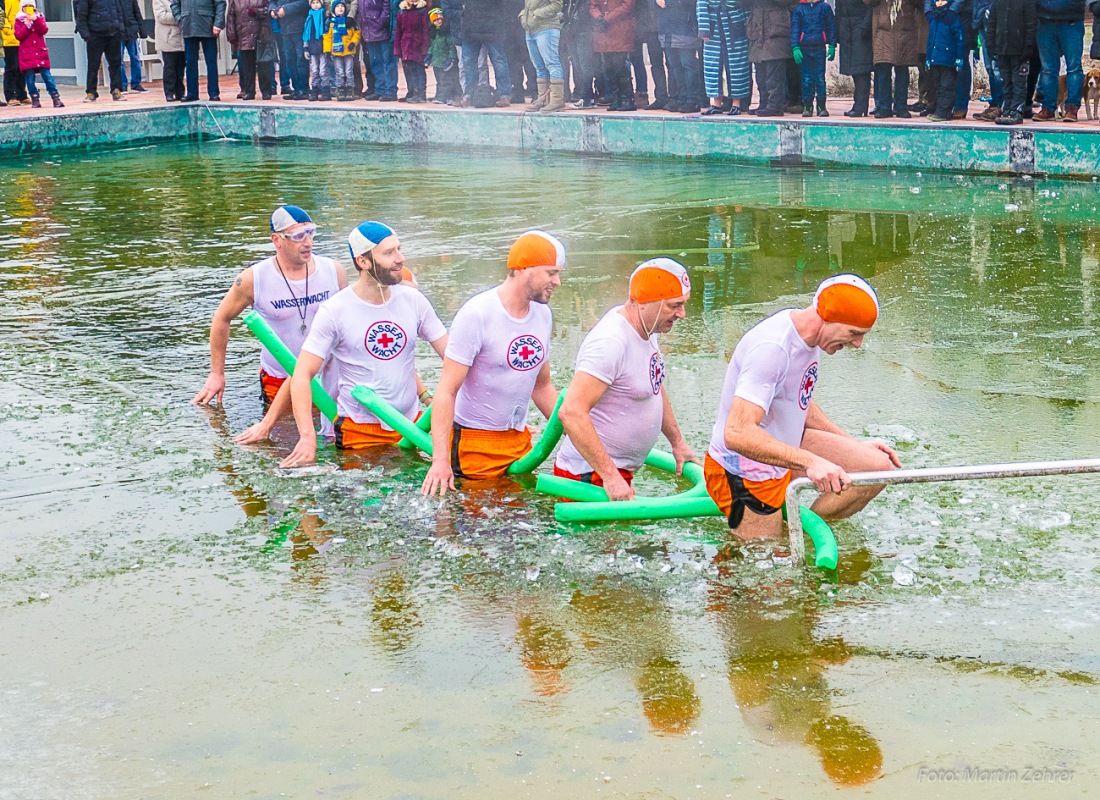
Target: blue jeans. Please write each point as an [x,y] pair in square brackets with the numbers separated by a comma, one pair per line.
[543,47]
[209,46]
[963,79]
[383,63]
[284,65]
[471,48]
[1058,40]
[813,76]
[47,78]
[297,67]
[131,49]
[996,85]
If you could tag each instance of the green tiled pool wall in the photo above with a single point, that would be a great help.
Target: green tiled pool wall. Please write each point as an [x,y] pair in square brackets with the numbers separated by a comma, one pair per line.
[915,145]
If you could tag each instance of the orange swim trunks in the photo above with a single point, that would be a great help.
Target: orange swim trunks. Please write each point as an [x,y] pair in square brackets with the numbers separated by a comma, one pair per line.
[486,454]
[352,435]
[269,387]
[733,494]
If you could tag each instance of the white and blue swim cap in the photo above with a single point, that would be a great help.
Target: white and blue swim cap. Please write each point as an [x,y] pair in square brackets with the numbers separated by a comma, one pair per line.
[287,217]
[365,236]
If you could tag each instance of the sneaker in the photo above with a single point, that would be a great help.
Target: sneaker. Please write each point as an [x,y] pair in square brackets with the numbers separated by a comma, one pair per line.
[918,107]
[585,104]
[936,118]
[1009,119]
[991,113]
[823,112]
[116,95]
[807,111]
[138,89]
[90,97]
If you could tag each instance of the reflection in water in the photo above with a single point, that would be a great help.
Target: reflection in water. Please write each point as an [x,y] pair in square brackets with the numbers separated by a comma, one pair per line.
[622,625]
[777,670]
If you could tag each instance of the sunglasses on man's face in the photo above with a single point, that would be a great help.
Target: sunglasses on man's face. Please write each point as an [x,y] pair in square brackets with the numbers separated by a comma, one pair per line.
[302,235]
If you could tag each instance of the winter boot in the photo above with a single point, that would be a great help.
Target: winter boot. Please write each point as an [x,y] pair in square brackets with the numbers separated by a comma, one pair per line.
[556,100]
[544,95]
[57,100]
[35,103]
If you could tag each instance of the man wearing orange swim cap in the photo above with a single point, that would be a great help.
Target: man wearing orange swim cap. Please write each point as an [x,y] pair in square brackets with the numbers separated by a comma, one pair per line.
[770,430]
[617,405]
[496,363]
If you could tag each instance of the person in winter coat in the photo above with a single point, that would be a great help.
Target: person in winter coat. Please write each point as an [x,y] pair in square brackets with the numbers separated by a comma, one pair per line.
[482,26]
[1060,33]
[342,42]
[541,21]
[443,57]
[169,44]
[288,20]
[944,57]
[769,29]
[410,44]
[1010,37]
[30,29]
[103,24]
[242,28]
[853,35]
[313,47]
[895,26]
[678,32]
[201,21]
[377,22]
[15,84]
[722,27]
[613,40]
[813,39]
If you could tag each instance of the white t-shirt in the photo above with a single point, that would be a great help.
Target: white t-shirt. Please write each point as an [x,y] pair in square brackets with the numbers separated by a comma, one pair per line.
[504,355]
[283,303]
[629,415]
[374,345]
[773,368]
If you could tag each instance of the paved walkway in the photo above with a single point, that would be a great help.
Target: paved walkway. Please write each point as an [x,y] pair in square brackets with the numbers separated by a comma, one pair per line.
[73,98]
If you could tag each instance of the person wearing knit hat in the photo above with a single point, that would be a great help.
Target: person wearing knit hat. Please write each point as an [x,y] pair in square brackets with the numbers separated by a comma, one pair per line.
[769,429]
[617,405]
[286,290]
[369,331]
[497,363]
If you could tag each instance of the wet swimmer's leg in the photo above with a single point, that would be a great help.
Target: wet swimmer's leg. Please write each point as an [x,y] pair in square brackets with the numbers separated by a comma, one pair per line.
[851,455]
[754,527]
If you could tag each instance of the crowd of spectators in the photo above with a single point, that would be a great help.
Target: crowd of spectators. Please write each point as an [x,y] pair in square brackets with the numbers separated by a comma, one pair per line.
[701,56]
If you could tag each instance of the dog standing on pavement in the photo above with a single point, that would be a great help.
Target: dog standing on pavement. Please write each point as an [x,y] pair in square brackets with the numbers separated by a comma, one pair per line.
[1092,93]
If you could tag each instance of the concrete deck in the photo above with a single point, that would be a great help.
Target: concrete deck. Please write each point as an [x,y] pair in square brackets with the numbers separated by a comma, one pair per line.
[1055,149]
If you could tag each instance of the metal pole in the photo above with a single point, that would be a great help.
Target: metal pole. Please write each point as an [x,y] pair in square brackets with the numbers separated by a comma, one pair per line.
[1026,469]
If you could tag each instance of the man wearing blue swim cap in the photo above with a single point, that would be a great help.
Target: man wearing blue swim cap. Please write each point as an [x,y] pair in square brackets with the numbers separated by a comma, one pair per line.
[285,289]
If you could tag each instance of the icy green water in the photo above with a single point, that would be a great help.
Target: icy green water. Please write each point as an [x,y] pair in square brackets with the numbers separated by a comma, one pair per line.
[177,621]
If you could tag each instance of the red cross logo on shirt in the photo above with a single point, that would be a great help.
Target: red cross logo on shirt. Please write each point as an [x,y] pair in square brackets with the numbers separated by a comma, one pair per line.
[525,353]
[385,340]
[806,388]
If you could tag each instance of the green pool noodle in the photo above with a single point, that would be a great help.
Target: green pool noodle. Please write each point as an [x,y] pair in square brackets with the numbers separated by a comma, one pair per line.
[544,446]
[392,417]
[825,549]
[424,422]
[269,339]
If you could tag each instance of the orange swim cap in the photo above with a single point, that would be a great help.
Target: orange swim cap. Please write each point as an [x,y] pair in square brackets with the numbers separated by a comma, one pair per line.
[659,279]
[536,249]
[847,299]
